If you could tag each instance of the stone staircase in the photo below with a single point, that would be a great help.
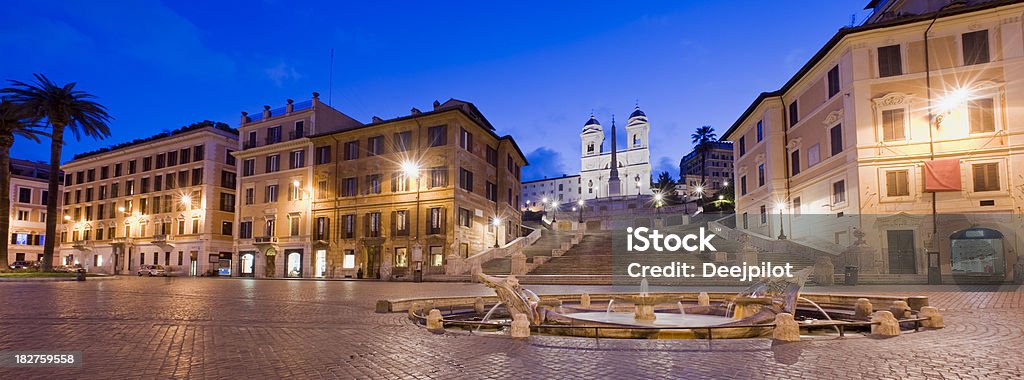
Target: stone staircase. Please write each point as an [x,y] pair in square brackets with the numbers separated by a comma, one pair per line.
[538,252]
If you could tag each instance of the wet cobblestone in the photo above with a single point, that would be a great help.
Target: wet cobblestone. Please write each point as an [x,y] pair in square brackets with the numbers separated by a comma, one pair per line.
[231,328]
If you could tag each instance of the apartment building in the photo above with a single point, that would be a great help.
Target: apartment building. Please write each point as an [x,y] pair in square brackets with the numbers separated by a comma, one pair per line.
[899,135]
[538,194]
[28,210]
[708,168]
[165,200]
[275,188]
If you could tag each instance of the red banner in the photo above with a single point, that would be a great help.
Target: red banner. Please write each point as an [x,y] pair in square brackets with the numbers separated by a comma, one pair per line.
[942,175]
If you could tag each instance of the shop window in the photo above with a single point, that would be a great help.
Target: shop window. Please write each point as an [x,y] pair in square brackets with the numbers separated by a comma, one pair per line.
[977,251]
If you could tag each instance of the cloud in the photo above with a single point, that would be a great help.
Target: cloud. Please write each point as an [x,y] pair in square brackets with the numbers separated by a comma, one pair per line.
[282,72]
[666,164]
[544,163]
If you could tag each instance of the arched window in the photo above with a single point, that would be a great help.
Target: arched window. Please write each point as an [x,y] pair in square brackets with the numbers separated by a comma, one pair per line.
[590,148]
[636,139]
[977,250]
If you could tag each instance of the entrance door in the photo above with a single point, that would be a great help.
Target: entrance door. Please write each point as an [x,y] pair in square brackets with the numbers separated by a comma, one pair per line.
[373,261]
[293,263]
[193,264]
[901,252]
[320,267]
[248,264]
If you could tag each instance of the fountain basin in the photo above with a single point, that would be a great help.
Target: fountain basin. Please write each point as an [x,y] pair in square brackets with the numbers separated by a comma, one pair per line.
[666,320]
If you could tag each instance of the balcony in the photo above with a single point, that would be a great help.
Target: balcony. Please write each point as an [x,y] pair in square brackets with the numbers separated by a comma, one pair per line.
[121,241]
[81,244]
[161,238]
[265,240]
[249,145]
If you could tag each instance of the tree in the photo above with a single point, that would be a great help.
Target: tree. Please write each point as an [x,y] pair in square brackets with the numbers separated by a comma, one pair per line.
[701,139]
[59,107]
[665,183]
[15,120]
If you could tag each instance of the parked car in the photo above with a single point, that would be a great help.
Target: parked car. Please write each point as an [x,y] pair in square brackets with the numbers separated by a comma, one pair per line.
[152,270]
[67,268]
[21,264]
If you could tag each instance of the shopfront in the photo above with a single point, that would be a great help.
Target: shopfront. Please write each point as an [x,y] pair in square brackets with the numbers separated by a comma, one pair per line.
[293,263]
[247,264]
[977,252]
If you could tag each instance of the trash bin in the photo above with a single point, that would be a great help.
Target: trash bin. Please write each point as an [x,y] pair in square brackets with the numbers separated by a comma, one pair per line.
[81,274]
[850,277]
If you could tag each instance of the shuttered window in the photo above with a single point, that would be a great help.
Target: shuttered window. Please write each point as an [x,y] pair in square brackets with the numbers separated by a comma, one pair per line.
[986,176]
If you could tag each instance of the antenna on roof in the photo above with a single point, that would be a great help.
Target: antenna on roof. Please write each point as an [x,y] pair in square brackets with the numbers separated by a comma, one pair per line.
[330,84]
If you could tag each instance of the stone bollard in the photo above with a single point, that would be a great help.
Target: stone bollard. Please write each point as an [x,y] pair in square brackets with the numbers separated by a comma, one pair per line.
[520,326]
[415,309]
[478,306]
[934,320]
[863,308]
[585,300]
[703,299]
[434,323]
[786,328]
[900,309]
[887,324]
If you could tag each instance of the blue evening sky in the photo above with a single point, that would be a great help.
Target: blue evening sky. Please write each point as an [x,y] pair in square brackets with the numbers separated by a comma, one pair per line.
[535,69]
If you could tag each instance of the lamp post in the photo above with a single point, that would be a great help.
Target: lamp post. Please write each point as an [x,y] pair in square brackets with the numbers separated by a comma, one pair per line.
[579,205]
[554,205]
[657,204]
[782,233]
[699,190]
[411,170]
[496,223]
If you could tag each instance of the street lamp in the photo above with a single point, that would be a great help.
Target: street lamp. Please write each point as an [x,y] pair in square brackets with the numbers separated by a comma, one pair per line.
[497,223]
[579,205]
[411,170]
[554,205]
[657,204]
[699,190]
[782,233]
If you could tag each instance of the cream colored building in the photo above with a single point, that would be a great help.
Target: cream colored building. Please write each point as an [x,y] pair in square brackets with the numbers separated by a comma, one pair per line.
[633,160]
[842,147]
[538,194]
[166,200]
[28,210]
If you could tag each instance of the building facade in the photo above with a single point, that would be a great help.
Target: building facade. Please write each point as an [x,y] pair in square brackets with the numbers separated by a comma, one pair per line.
[709,169]
[400,199]
[906,145]
[166,200]
[565,190]
[28,210]
[275,157]
[617,172]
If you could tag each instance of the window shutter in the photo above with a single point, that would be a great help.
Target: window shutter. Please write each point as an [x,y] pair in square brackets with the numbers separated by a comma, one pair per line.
[444,219]
[394,224]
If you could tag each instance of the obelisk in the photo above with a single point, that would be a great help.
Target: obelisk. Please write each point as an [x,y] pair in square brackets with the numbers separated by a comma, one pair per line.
[614,188]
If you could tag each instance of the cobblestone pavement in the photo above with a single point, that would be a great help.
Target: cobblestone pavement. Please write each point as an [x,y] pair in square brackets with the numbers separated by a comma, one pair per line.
[235,328]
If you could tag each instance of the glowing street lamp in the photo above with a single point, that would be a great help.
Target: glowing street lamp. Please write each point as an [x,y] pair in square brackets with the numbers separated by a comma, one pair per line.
[579,205]
[657,203]
[554,205]
[411,169]
[782,234]
[496,223]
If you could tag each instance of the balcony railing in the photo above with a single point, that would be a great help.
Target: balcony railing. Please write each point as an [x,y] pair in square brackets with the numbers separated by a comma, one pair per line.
[265,240]
[81,244]
[297,134]
[249,145]
[161,238]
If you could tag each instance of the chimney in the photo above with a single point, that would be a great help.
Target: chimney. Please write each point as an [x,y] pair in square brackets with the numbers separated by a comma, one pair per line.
[245,118]
[416,111]
[290,107]
[437,104]
[316,98]
[377,119]
[266,112]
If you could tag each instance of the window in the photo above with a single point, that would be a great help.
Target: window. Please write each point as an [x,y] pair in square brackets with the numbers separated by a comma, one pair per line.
[273,163]
[322,228]
[813,155]
[348,187]
[439,177]
[197,176]
[764,214]
[436,225]
[270,229]
[158,185]
[402,141]
[466,180]
[437,136]
[273,135]
[793,116]
[492,156]
[981,114]
[226,228]
[198,153]
[743,146]
[465,217]
[760,130]
[113,191]
[794,162]
[760,175]
[298,159]
[248,169]
[227,179]
[348,226]
[836,139]
[129,188]
[172,158]
[401,223]
[117,170]
[185,155]
[796,206]
[250,143]
[986,176]
[105,172]
[321,189]
[399,182]
[44,198]
[161,160]
[323,154]
[245,230]
[270,194]
[492,192]
[349,260]
[975,46]
[375,146]
[293,226]
[250,196]
[351,150]
[373,224]
[833,81]
[24,195]
[743,185]
[373,184]
[227,202]
[893,125]
[897,183]
[91,175]
[147,164]
[436,255]
[22,215]
[890,63]
[401,257]
[131,167]
[300,129]
[838,192]
[466,140]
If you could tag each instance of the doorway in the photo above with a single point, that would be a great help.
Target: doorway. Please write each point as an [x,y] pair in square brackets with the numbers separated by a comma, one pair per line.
[293,263]
[320,267]
[901,252]
[373,261]
[247,264]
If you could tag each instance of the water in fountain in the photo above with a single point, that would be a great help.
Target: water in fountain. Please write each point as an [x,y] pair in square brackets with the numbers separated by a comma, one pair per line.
[643,287]
[821,310]
[610,303]
[488,315]
[682,310]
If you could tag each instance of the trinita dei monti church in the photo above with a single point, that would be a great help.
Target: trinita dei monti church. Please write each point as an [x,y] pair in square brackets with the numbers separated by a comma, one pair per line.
[622,171]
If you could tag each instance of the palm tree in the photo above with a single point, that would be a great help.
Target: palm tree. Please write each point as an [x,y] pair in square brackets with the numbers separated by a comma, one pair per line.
[701,138]
[60,107]
[15,120]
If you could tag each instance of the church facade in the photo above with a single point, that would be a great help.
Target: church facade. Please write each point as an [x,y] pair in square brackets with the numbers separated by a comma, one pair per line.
[618,172]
